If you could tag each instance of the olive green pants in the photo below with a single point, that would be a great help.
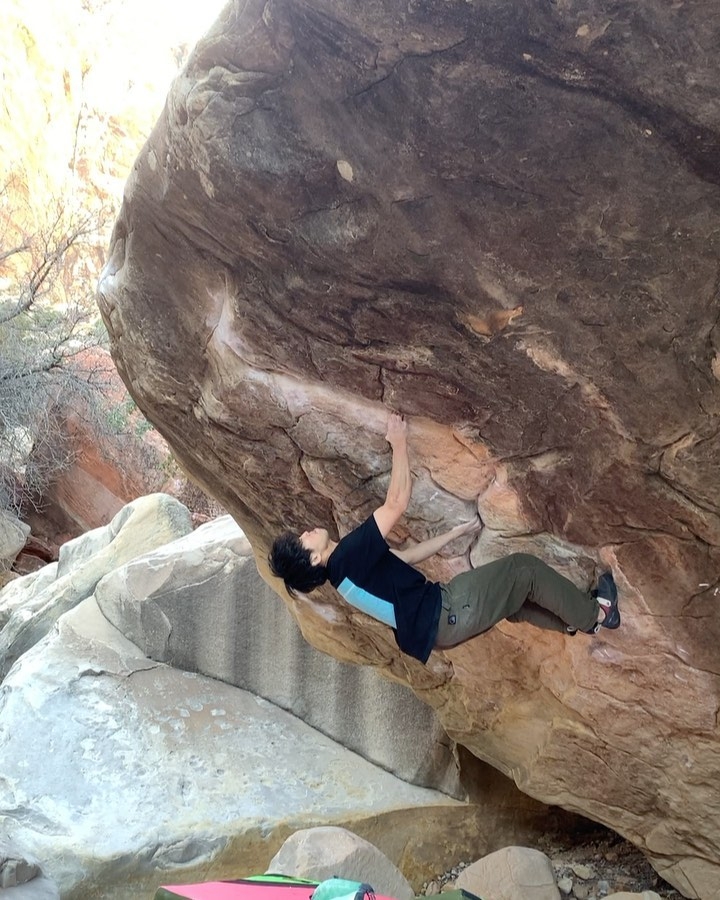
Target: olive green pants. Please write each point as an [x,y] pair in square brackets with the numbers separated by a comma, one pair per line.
[520,588]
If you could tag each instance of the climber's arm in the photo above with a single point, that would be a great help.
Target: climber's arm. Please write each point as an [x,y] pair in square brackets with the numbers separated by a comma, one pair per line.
[400,487]
[426,549]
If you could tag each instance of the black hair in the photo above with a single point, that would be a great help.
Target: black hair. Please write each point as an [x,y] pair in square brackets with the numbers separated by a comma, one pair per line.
[289,560]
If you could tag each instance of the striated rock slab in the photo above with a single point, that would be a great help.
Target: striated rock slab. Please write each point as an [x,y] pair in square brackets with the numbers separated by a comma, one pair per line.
[199,604]
[503,221]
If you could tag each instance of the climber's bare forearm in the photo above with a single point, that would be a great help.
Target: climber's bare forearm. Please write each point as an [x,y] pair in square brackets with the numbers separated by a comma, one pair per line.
[425,549]
[400,487]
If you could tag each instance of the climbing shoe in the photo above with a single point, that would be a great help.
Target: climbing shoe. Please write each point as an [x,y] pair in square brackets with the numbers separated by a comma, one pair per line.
[607,596]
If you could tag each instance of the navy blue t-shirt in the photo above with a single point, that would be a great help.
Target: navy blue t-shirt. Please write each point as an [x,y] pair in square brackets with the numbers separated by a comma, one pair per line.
[371,578]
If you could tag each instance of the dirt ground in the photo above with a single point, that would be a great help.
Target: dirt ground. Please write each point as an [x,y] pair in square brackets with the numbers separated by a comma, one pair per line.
[602,864]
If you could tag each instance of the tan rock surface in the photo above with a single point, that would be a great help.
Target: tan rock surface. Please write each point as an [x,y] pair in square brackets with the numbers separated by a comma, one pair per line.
[513,873]
[331,852]
[335,214]
[624,895]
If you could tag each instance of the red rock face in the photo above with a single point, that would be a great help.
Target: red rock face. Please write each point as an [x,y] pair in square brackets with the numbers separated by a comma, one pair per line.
[110,466]
[502,220]
[112,463]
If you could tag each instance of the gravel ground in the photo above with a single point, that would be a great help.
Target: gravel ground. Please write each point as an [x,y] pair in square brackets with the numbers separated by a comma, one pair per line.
[602,864]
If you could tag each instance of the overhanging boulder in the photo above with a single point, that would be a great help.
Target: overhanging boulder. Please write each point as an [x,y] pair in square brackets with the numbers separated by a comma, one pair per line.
[502,220]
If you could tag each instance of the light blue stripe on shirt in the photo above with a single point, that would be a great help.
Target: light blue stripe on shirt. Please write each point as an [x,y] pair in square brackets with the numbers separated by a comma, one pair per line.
[379,609]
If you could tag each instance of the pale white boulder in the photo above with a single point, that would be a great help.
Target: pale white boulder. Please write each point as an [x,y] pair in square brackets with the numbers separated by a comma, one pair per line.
[147,522]
[120,773]
[513,873]
[21,878]
[166,599]
[140,526]
[23,590]
[325,852]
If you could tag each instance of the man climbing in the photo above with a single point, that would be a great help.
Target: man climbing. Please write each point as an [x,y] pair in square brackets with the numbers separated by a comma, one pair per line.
[382,582]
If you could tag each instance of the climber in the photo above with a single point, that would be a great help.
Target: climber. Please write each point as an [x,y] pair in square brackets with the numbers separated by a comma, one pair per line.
[382,582]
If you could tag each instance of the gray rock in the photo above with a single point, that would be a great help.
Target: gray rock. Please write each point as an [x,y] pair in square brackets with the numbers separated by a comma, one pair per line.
[14,868]
[13,534]
[134,525]
[22,591]
[582,871]
[626,895]
[37,889]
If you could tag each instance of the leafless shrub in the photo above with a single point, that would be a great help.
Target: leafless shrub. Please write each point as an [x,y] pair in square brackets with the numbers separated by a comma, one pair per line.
[48,321]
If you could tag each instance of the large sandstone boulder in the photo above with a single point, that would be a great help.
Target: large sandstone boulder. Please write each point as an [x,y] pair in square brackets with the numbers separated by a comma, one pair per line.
[502,220]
